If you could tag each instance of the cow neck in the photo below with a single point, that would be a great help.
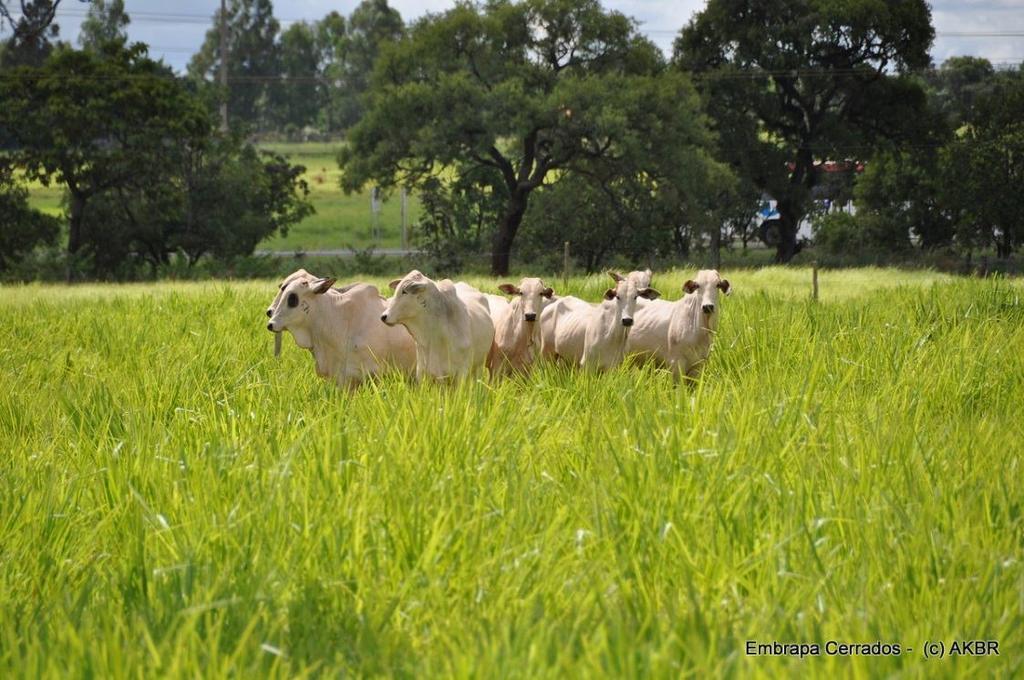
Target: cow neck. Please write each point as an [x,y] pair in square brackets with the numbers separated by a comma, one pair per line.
[611,321]
[516,332]
[424,327]
[694,317]
[329,332]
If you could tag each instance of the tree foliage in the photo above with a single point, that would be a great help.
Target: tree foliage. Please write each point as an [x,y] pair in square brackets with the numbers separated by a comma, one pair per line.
[792,82]
[298,98]
[528,89]
[216,197]
[145,173]
[33,32]
[961,186]
[95,121]
[253,60]
[105,22]
[22,229]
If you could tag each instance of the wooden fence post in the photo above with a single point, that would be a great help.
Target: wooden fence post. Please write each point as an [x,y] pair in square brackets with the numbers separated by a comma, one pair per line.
[565,267]
[814,281]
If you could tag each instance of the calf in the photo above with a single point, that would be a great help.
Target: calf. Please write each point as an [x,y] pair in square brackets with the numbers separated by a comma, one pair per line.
[340,327]
[517,326]
[678,335]
[449,322]
[593,335]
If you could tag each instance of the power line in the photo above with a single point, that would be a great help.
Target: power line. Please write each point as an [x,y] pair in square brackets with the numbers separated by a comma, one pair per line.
[144,16]
[752,74]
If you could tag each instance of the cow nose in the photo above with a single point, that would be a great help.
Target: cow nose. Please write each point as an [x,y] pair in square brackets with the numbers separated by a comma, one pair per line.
[708,309]
[531,317]
[269,312]
[270,326]
[627,322]
[384,317]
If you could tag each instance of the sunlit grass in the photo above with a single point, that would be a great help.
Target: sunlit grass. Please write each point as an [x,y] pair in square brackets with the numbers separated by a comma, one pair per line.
[176,502]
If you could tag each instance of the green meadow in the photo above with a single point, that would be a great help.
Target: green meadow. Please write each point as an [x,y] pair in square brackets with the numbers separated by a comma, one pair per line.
[176,502]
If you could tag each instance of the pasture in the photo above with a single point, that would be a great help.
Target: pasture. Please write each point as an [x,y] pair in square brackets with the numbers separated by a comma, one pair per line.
[340,221]
[176,502]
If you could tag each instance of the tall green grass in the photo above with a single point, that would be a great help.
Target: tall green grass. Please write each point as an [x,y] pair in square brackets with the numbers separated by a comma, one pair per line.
[176,502]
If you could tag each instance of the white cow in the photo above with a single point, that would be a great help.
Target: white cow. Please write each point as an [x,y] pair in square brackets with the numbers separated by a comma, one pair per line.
[594,336]
[340,327]
[678,335]
[517,326]
[449,322]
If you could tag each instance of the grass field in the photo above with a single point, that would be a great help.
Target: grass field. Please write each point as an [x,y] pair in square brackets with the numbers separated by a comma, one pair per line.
[176,502]
[340,221]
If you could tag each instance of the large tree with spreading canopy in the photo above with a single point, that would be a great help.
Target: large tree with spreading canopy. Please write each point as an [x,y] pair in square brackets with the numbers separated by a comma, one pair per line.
[521,93]
[792,82]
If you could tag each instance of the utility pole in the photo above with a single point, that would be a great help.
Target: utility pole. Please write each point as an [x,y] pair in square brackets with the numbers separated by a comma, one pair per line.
[405,219]
[224,65]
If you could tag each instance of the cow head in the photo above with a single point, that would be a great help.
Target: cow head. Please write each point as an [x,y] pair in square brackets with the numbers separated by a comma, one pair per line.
[706,286]
[624,296]
[410,298]
[534,296]
[292,305]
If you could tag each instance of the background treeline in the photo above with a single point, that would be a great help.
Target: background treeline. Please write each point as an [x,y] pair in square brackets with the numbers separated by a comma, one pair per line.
[518,126]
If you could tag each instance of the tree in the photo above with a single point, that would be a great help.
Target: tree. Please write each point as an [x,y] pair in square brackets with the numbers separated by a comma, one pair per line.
[901,193]
[532,89]
[33,33]
[22,229]
[372,24]
[960,185]
[348,51]
[105,22]
[213,196]
[330,47]
[652,195]
[957,85]
[792,82]
[95,121]
[984,170]
[253,59]
[298,98]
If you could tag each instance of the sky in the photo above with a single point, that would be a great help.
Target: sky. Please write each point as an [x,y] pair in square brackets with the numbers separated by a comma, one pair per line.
[174,30]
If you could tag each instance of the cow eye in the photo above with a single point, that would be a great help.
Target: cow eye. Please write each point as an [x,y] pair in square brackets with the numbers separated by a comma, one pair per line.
[293,300]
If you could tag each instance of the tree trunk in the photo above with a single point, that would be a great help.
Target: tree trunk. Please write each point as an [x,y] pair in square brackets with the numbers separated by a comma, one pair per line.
[505,234]
[791,208]
[75,217]
[716,247]
[789,220]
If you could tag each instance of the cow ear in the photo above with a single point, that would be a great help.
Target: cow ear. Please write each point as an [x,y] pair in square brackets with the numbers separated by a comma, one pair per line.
[616,276]
[690,286]
[725,287]
[321,286]
[548,292]
[393,283]
[610,294]
[509,289]
[649,293]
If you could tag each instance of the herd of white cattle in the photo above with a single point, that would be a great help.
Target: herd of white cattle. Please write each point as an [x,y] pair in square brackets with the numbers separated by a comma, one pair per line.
[444,331]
